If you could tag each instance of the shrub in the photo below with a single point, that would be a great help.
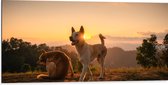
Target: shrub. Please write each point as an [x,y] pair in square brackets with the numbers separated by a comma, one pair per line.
[25,68]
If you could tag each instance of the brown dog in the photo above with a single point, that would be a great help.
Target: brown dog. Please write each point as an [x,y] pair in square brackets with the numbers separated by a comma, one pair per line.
[57,64]
[88,52]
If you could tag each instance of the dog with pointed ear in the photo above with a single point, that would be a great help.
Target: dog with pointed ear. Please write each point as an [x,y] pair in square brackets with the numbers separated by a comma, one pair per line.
[77,37]
[42,58]
[57,64]
[88,52]
[81,30]
[73,30]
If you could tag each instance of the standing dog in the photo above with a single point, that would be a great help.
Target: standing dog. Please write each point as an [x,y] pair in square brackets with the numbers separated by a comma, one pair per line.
[88,52]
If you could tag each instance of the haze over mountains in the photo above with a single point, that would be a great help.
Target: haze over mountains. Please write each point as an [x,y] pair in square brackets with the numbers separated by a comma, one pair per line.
[117,57]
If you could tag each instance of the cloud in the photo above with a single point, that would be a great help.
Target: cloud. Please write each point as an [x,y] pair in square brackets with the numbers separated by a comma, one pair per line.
[127,43]
[160,35]
[118,39]
[124,38]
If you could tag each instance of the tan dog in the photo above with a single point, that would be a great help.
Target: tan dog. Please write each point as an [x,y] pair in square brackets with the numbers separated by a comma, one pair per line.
[88,52]
[57,64]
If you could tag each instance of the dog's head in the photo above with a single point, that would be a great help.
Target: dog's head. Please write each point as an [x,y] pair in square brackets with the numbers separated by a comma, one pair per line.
[77,37]
[42,58]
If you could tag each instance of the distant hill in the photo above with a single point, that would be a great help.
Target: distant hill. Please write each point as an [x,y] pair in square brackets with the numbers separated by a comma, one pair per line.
[117,57]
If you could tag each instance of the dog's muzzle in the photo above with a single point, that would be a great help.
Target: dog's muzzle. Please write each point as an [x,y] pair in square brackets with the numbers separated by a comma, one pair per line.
[73,41]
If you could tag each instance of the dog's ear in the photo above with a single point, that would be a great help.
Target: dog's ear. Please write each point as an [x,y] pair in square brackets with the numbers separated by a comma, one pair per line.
[73,30]
[82,29]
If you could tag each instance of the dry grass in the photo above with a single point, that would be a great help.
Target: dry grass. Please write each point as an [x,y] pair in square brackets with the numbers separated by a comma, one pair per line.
[154,73]
[120,74]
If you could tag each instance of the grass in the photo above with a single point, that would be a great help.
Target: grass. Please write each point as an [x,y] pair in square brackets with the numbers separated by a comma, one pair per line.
[153,73]
[120,74]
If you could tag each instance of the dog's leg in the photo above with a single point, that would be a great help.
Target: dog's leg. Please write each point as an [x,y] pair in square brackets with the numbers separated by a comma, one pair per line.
[42,76]
[51,67]
[102,71]
[101,62]
[84,71]
[71,68]
[91,75]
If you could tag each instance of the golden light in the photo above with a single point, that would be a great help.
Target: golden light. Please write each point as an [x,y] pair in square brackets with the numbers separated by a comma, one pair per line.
[87,36]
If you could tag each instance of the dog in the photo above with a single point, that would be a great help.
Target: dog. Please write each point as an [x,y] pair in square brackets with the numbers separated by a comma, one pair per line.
[88,52]
[57,64]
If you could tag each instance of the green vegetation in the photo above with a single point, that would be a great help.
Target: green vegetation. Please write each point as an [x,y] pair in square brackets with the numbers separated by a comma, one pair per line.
[22,56]
[149,56]
[165,54]
[165,40]
[146,53]
[17,53]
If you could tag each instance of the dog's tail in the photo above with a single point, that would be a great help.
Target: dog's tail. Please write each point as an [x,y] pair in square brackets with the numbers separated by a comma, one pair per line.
[102,38]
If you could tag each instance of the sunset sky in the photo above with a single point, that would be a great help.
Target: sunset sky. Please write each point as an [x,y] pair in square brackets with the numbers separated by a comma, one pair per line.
[50,22]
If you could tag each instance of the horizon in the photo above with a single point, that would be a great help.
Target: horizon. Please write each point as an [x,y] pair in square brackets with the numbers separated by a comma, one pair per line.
[124,25]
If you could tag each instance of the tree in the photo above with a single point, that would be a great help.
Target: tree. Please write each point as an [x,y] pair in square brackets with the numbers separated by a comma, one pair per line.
[153,39]
[16,52]
[146,52]
[165,57]
[25,68]
[11,61]
[165,52]
[43,46]
[165,40]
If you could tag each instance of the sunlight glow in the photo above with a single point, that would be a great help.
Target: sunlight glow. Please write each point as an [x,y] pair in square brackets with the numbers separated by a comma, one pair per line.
[51,22]
[87,36]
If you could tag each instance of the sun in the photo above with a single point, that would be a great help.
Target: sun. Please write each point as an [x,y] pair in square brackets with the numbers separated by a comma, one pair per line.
[87,36]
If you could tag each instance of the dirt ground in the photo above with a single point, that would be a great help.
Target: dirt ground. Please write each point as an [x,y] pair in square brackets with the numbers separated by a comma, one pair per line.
[115,75]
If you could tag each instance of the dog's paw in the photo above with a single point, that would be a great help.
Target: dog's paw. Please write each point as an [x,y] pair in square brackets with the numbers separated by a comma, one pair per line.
[101,77]
[81,80]
[90,79]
